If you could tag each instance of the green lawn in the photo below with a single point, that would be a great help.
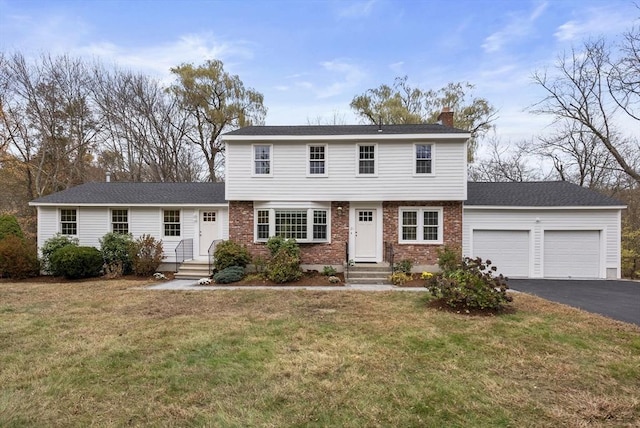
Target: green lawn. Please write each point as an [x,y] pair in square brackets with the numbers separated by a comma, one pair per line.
[107,353]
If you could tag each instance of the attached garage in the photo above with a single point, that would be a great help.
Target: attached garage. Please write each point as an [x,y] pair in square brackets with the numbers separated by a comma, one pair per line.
[543,230]
[571,254]
[507,249]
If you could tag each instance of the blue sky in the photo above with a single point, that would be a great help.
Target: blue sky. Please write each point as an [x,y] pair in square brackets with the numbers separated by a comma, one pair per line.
[310,58]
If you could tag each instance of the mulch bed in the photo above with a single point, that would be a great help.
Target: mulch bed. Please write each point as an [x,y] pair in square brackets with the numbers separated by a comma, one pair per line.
[308,279]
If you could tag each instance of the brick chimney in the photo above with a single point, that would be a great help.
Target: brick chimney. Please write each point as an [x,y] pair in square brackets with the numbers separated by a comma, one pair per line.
[446,117]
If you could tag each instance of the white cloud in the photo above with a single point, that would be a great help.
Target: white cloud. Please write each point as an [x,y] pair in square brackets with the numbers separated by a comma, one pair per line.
[520,26]
[595,22]
[350,76]
[158,59]
[396,67]
[357,9]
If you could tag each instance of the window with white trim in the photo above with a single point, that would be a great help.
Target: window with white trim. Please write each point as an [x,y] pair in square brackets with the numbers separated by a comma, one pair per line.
[301,224]
[261,159]
[69,221]
[317,160]
[422,225]
[171,222]
[423,159]
[366,159]
[120,221]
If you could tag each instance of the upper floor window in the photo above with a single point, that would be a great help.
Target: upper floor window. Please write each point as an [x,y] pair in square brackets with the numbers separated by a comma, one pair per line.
[171,222]
[366,159]
[420,225]
[424,159]
[69,221]
[261,159]
[317,160]
[120,221]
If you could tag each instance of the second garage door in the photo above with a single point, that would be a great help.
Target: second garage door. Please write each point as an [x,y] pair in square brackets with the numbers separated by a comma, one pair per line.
[508,250]
[572,254]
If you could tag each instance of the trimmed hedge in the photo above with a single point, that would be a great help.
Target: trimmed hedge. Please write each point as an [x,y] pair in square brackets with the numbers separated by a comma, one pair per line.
[230,253]
[52,245]
[76,262]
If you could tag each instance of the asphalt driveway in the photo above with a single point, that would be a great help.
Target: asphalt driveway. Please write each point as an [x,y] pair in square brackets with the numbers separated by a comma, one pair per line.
[619,300]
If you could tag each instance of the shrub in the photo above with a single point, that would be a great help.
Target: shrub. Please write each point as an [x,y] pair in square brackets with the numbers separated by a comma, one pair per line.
[400,278]
[260,263]
[117,253]
[329,271]
[228,275]
[403,266]
[18,259]
[276,243]
[52,245]
[9,227]
[76,262]
[230,253]
[449,258]
[147,255]
[284,265]
[472,285]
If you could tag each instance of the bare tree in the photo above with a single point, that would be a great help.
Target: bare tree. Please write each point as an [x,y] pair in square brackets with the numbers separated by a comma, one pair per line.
[597,90]
[505,162]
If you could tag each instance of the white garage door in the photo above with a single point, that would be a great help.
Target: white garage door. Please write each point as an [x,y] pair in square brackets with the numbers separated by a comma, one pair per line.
[572,253]
[508,250]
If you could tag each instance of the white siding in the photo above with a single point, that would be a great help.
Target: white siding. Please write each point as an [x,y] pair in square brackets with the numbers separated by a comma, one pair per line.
[95,222]
[394,179]
[47,224]
[607,221]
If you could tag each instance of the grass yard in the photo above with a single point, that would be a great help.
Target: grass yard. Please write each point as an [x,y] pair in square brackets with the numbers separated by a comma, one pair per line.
[106,353]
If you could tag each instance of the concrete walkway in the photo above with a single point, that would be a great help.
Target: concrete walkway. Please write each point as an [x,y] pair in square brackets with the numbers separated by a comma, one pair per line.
[192,285]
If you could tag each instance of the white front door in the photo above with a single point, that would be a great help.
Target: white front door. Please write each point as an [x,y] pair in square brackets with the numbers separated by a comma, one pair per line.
[208,230]
[365,240]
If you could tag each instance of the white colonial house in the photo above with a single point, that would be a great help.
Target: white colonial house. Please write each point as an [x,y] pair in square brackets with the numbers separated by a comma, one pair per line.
[361,193]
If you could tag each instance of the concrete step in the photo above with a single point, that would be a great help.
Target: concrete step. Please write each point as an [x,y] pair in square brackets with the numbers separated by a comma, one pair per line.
[379,281]
[369,273]
[193,269]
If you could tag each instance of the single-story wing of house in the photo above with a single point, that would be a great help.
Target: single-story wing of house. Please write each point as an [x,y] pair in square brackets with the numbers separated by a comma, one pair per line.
[527,229]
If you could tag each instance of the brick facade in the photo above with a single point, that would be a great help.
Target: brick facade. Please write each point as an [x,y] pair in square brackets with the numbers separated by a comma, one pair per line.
[422,254]
[241,230]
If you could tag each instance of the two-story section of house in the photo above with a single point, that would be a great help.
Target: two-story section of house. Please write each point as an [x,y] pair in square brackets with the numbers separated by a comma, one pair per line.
[348,192]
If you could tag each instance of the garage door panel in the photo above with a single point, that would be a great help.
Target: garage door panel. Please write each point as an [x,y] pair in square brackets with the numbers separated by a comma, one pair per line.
[508,250]
[572,254]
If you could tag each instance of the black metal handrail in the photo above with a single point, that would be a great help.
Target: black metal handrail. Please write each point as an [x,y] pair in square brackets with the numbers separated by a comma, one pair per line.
[211,252]
[389,253]
[346,255]
[184,251]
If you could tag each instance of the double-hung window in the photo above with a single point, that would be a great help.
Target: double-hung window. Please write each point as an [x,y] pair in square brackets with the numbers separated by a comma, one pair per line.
[423,159]
[422,225]
[69,221]
[301,224]
[171,222]
[367,159]
[317,160]
[120,221]
[262,159]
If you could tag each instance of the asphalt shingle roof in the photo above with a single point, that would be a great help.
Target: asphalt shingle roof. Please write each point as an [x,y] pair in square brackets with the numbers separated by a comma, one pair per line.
[535,194]
[138,193]
[528,194]
[336,130]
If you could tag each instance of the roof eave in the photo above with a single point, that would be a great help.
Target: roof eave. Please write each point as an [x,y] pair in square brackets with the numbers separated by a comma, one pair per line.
[356,137]
[122,204]
[536,207]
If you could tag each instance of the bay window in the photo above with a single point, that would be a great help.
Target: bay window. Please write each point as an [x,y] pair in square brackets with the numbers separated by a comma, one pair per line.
[301,224]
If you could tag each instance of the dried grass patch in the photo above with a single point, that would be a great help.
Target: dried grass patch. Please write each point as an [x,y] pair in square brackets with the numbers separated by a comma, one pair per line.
[110,353]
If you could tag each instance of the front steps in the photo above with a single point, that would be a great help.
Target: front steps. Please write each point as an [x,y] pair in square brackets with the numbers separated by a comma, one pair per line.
[193,269]
[368,273]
